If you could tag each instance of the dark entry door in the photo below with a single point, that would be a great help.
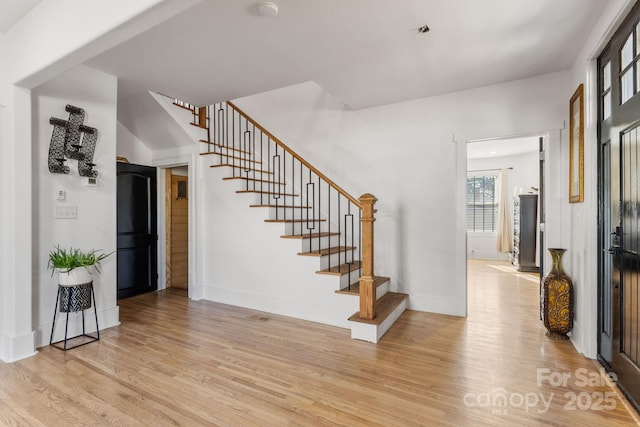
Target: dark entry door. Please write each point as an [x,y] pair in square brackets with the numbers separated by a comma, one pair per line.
[619,194]
[137,230]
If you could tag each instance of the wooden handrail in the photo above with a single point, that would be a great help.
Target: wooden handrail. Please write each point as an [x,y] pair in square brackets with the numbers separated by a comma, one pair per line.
[297,156]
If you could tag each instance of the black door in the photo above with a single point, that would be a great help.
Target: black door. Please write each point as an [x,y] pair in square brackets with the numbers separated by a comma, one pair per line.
[137,234]
[619,194]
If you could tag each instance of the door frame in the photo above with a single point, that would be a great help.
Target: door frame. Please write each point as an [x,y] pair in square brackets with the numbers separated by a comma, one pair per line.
[553,214]
[190,160]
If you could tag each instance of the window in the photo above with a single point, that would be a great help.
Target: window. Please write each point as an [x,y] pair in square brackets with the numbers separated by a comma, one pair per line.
[606,90]
[629,68]
[482,205]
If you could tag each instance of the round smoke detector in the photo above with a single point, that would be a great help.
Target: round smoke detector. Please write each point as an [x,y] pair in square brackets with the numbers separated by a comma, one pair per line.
[268,9]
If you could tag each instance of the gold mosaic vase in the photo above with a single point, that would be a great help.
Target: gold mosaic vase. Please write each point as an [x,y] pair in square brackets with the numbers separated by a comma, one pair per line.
[557,299]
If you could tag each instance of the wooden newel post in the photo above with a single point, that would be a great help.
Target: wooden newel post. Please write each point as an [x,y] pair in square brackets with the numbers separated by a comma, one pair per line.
[367,288]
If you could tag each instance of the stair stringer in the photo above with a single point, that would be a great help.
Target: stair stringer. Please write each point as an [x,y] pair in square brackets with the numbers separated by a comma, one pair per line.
[182,116]
[247,263]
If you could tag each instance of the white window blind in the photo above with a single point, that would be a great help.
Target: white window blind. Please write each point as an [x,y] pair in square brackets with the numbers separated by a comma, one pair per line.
[482,205]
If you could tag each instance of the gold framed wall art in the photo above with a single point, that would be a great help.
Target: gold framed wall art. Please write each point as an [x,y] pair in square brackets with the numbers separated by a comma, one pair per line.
[576,146]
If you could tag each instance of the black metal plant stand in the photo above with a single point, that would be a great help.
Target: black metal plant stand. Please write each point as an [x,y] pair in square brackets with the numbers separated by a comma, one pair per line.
[73,299]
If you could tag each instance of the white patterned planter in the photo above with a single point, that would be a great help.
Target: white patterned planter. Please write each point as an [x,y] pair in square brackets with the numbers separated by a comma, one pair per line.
[75,277]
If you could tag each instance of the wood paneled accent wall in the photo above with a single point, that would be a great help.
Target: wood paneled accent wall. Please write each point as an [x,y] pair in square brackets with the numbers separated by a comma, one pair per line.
[177,227]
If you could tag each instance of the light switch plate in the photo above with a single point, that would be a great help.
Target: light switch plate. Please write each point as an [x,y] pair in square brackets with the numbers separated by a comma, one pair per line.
[66,212]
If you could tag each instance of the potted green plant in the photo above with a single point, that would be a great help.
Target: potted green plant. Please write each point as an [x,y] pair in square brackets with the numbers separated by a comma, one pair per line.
[75,266]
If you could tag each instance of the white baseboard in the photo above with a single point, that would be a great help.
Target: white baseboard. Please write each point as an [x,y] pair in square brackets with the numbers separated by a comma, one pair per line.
[14,348]
[196,292]
[335,313]
[438,305]
[488,255]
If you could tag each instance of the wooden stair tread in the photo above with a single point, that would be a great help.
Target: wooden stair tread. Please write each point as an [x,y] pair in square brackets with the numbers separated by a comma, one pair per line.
[327,251]
[223,147]
[310,235]
[240,167]
[227,156]
[354,289]
[266,192]
[280,206]
[341,269]
[294,220]
[384,307]
[199,125]
[266,181]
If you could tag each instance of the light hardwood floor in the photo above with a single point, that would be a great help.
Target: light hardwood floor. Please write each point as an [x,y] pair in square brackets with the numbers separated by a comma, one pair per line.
[178,362]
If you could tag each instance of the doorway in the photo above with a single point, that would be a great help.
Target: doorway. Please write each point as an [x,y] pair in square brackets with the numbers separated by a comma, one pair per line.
[177,227]
[512,164]
[504,179]
[619,201]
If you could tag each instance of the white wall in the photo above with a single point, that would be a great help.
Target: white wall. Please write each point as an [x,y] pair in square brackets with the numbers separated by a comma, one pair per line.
[95,226]
[405,155]
[131,148]
[523,176]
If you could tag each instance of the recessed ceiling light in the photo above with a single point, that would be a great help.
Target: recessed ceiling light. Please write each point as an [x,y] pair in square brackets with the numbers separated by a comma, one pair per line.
[424,29]
[494,152]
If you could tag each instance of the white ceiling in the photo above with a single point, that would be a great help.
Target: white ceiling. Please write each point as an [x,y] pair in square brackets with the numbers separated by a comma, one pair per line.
[11,11]
[364,52]
[502,147]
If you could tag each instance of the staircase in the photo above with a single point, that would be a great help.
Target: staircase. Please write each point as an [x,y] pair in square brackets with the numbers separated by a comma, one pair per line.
[330,224]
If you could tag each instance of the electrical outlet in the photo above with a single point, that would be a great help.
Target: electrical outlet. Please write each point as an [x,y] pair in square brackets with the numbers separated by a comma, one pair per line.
[384,212]
[66,212]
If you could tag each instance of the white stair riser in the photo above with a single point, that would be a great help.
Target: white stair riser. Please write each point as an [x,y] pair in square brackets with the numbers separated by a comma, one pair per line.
[332,260]
[325,242]
[301,227]
[243,185]
[345,279]
[317,227]
[271,199]
[353,282]
[297,213]
[373,333]
[380,290]
[240,166]
[222,155]
[383,289]
[240,171]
